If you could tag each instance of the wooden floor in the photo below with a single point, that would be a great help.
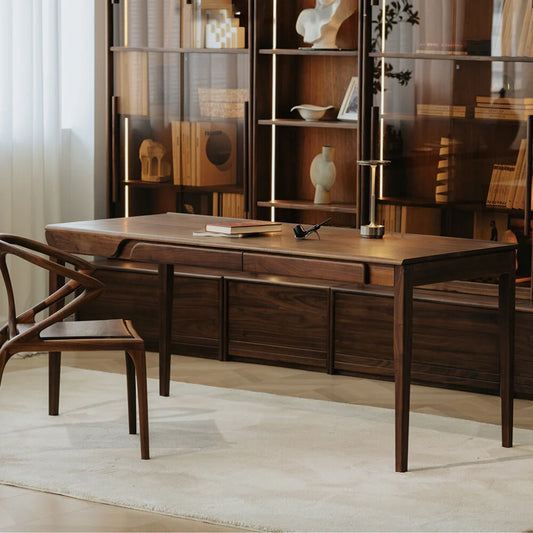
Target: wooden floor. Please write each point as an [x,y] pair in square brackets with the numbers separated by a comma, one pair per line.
[25,510]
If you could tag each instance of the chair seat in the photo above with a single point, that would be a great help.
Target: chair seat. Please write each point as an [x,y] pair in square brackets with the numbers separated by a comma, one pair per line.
[87,329]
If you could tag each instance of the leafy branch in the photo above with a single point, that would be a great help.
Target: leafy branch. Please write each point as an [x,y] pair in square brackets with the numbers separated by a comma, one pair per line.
[396,12]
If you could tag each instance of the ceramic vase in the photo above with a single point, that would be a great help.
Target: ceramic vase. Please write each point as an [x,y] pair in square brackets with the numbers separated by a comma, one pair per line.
[323,173]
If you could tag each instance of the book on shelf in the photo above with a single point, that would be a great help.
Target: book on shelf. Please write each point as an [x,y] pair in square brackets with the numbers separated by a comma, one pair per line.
[186,153]
[228,204]
[450,47]
[501,108]
[520,177]
[410,219]
[507,187]
[175,129]
[507,101]
[442,27]
[458,111]
[503,186]
[501,113]
[243,227]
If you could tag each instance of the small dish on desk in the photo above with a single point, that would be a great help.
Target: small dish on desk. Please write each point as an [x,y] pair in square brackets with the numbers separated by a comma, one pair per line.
[311,112]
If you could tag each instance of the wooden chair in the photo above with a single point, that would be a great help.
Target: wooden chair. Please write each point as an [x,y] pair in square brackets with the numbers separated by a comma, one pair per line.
[24,333]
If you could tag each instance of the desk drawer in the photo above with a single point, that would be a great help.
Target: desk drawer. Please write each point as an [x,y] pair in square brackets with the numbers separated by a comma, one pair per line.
[185,255]
[305,268]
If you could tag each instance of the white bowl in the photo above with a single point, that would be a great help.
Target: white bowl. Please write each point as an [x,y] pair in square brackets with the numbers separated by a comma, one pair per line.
[310,111]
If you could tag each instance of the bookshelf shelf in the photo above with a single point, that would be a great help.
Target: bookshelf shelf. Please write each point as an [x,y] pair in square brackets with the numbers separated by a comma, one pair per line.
[185,188]
[310,206]
[308,52]
[452,57]
[299,123]
[156,50]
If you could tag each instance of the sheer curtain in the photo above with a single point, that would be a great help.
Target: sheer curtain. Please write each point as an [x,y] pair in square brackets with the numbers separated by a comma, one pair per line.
[30,126]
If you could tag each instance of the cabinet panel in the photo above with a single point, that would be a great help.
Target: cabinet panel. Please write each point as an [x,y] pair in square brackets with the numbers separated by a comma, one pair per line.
[278,324]
[454,85]
[459,350]
[134,295]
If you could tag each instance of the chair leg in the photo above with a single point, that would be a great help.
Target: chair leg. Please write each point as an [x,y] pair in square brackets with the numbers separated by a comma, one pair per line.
[54,375]
[3,362]
[130,380]
[139,360]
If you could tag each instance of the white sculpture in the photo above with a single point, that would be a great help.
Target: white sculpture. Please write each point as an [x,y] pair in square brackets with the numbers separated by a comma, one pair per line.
[323,174]
[319,25]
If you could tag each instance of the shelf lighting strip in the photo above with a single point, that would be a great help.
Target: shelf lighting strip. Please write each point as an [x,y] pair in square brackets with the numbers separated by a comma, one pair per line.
[273,127]
[382,98]
[126,35]
[126,126]
[126,166]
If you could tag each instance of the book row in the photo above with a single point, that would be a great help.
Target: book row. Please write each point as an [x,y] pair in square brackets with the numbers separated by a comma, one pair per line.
[507,188]
[485,108]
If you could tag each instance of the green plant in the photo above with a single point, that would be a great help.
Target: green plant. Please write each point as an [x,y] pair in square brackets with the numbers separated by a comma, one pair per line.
[395,12]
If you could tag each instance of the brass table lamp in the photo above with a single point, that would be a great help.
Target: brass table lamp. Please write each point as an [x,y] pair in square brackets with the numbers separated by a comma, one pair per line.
[373,230]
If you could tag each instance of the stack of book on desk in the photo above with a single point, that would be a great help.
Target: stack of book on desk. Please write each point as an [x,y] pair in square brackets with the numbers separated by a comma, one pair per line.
[239,228]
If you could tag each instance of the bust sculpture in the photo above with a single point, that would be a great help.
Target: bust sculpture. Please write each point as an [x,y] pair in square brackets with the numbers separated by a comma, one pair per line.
[319,25]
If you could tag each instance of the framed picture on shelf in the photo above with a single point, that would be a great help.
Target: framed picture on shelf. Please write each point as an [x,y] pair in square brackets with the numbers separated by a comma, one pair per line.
[350,105]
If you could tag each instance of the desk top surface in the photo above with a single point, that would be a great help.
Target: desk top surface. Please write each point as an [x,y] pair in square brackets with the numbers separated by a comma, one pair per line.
[105,236]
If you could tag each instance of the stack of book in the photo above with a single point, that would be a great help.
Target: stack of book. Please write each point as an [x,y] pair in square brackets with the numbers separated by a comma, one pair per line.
[438,110]
[239,228]
[503,108]
[222,103]
[446,170]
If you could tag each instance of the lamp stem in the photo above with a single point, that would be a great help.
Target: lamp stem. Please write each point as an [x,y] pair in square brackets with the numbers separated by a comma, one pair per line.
[373,195]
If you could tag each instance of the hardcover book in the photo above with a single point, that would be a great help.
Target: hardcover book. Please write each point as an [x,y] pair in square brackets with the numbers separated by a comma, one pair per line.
[245,226]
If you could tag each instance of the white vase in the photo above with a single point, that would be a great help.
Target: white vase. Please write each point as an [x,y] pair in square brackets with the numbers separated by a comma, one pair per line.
[323,173]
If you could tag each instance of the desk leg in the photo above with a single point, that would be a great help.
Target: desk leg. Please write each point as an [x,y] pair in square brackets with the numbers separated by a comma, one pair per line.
[403,333]
[506,335]
[166,292]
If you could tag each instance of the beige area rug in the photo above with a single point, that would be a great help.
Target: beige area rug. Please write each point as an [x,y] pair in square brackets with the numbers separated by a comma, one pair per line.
[262,461]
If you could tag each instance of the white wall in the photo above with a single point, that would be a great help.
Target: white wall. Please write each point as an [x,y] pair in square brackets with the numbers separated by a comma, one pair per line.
[84,82]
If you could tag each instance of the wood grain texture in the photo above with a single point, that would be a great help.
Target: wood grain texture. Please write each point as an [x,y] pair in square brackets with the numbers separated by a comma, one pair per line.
[278,324]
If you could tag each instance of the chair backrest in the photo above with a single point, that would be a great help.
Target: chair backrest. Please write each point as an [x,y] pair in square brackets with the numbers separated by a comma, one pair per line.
[73,273]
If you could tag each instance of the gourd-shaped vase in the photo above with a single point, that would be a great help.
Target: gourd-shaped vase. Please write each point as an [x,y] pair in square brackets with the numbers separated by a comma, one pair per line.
[323,173]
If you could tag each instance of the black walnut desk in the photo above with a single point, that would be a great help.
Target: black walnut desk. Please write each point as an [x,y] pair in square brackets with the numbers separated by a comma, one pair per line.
[401,261]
